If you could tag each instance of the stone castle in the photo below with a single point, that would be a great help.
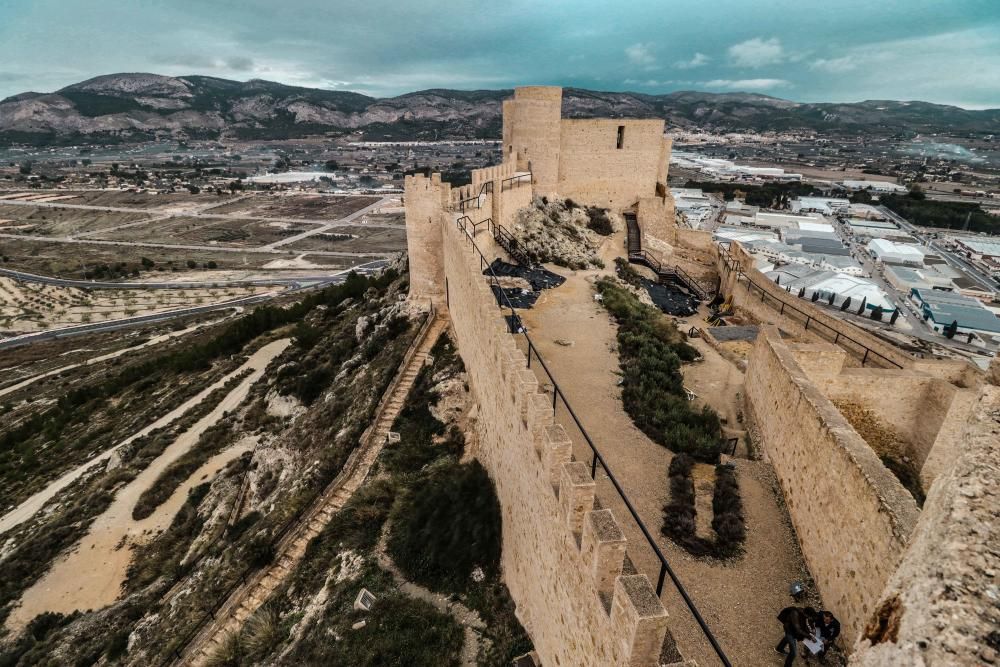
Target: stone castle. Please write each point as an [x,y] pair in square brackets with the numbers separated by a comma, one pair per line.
[911,585]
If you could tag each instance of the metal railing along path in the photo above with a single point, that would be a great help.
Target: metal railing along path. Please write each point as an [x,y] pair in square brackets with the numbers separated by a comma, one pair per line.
[835,336]
[465,223]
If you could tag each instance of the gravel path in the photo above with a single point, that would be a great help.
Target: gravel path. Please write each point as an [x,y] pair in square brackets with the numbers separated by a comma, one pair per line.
[738,600]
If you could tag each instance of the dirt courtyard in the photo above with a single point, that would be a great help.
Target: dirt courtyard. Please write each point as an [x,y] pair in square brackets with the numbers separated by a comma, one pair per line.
[739,599]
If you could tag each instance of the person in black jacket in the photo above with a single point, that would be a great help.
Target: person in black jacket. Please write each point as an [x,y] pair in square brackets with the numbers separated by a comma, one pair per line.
[797,625]
[829,629]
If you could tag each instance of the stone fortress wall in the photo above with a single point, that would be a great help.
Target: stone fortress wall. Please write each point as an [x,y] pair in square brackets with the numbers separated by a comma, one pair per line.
[868,546]
[614,163]
[852,517]
[877,559]
[562,559]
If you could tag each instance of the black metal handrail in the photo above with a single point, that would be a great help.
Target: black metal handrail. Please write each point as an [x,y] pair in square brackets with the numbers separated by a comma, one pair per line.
[636,255]
[503,302]
[731,264]
[644,258]
[485,189]
[514,181]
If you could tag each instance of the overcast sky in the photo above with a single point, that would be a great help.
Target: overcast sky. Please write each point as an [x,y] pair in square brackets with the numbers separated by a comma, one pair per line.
[945,51]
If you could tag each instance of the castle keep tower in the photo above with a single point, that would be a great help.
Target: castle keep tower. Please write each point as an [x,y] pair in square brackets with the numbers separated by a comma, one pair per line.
[532,123]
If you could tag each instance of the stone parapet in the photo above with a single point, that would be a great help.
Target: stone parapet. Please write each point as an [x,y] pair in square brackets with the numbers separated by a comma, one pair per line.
[562,559]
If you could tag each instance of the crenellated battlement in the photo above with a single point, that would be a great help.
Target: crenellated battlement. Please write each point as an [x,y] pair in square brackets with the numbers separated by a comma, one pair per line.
[562,557]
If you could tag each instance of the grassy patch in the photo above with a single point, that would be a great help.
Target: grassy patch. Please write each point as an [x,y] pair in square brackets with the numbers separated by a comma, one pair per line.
[598,221]
[651,350]
[422,438]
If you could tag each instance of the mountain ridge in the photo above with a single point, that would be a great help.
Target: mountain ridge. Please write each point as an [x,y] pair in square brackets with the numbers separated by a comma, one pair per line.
[138,106]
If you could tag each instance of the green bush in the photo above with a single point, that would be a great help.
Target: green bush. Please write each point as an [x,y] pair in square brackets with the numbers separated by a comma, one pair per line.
[399,632]
[727,508]
[924,212]
[599,221]
[651,350]
[445,525]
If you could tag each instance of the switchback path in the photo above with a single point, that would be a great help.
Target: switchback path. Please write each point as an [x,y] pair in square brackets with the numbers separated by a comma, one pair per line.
[245,600]
[90,576]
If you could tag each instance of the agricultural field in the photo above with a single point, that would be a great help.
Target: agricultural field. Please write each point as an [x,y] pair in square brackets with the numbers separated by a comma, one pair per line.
[354,238]
[50,221]
[28,307]
[116,199]
[308,207]
[72,260]
[206,231]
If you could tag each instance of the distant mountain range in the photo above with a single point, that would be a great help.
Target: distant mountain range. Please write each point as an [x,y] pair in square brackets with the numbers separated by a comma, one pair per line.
[138,107]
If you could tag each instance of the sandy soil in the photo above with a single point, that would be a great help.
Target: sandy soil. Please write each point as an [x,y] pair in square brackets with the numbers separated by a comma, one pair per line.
[738,600]
[90,576]
[105,357]
[26,307]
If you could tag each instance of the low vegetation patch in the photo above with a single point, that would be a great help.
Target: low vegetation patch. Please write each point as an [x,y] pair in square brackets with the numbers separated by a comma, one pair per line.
[651,350]
[440,507]
[446,525]
[768,195]
[599,222]
[198,544]
[924,212]
[680,512]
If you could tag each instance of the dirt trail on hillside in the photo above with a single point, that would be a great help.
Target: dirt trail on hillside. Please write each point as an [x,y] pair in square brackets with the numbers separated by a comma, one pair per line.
[90,576]
[104,357]
[739,601]
[30,507]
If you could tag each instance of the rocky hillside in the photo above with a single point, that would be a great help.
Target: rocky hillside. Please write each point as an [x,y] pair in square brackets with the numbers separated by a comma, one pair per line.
[136,107]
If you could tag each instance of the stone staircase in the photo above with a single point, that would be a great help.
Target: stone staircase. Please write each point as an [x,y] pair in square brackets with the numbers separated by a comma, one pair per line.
[245,600]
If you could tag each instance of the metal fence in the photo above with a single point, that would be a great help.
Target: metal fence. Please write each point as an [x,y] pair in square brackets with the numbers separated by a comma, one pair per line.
[845,341]
[559,401]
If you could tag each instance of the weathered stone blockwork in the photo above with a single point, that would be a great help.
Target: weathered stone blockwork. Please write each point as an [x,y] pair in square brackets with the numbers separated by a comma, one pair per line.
[562,559]
[940,607]
[425,198]
[852,516]
[614,163]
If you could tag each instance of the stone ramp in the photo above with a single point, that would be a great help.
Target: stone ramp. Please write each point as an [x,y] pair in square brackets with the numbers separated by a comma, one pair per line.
[246,599]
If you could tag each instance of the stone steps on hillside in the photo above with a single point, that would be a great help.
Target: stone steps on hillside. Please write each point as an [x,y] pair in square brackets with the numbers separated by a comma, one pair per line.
[246,600]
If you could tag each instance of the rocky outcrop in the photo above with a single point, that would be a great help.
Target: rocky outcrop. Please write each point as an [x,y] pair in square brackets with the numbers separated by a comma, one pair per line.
[555,230]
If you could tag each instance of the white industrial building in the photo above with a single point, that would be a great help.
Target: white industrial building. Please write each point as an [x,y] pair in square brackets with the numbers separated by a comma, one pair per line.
[727,170]
[694,205]
[878,187]
[822,205]
[827,283]
[888,252]
[785,220]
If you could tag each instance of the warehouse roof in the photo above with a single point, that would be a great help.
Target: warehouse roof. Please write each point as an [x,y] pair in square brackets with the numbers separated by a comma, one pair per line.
[947,307]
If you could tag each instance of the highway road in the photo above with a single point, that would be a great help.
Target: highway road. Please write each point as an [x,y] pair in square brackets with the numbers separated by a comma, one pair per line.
[294,282]
[65,332]
[953,259]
